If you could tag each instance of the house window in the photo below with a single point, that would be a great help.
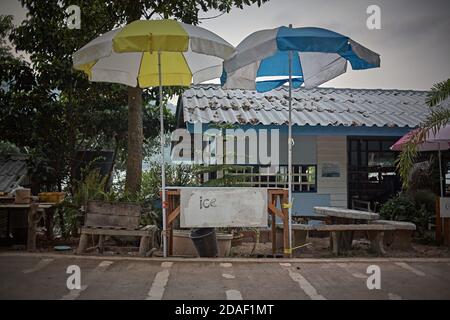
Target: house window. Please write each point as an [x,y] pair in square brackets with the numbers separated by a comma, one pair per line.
[372,177]
[304,177]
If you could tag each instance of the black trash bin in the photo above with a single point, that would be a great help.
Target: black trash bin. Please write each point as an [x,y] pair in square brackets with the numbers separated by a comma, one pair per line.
[205,241]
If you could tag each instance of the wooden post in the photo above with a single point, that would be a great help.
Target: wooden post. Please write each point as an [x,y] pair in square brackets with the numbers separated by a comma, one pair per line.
[438,224]
[446,232]
[272,201]
[171,196]
[274,233]
[285,199]
[170,224]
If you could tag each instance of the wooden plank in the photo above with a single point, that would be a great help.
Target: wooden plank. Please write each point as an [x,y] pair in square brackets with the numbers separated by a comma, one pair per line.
[110,227]
[275,210]
[170,192]
[25,205]
[114,208]
[274,192]
[173,215]
[127,222]
[115,232]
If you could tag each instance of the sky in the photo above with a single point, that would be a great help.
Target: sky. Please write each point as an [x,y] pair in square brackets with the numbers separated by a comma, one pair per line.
[414,39]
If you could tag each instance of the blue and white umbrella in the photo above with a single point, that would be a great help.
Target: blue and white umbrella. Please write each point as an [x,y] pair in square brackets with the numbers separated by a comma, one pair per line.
[308,56]
[318,55]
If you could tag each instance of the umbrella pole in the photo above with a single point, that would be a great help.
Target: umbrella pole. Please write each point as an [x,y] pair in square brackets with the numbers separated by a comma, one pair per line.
[441,188]
[163,165]
[290,153]
[440,171]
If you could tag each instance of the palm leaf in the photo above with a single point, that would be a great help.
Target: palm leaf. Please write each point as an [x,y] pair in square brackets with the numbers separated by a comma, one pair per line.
[439,93]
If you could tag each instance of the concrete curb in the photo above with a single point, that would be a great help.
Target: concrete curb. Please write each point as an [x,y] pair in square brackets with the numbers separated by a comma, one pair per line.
[219,260]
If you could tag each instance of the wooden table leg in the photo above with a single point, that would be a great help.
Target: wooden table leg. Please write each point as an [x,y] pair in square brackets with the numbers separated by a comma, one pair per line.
[101,240]
[32,224]
[143,245]
[82,246]
[49,214]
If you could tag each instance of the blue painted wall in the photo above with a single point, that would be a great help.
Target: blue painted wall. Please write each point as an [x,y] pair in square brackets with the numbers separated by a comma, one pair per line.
[304,203]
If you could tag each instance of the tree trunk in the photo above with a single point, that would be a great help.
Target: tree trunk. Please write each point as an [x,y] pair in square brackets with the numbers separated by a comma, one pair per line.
[135,140]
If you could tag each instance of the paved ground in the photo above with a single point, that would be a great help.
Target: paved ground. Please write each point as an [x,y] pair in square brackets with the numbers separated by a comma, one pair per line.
[31,276]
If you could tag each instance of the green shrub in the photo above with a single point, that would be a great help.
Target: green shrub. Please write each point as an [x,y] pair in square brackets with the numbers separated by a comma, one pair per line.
[400,208]
[69,214]
[417,208]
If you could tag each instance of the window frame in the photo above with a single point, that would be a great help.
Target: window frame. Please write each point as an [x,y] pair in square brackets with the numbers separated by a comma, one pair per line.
[281,183]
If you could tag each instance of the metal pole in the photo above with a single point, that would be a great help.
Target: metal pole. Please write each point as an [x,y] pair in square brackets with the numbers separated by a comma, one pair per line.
[163,166]
[440,170]
[441,188]
[290,142]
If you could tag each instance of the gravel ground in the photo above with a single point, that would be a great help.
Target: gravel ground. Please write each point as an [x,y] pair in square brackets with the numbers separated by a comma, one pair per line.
[316,248]
[319,248]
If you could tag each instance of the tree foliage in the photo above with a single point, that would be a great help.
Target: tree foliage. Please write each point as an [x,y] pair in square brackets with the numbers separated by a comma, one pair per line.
[439,117]
[51,110]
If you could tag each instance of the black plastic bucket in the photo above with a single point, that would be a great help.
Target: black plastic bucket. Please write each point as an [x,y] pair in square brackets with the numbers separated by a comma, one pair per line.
[205,241]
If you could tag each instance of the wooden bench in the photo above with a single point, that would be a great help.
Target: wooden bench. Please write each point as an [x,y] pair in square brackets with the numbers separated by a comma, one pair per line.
[338,240]
[114,219]
[399,238]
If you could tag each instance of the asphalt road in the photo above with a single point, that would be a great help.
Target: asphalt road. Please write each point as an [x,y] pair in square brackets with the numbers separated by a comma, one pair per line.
[31,276]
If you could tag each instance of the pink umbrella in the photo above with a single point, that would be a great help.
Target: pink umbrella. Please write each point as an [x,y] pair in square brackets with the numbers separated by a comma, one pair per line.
[439,140]
[435,141]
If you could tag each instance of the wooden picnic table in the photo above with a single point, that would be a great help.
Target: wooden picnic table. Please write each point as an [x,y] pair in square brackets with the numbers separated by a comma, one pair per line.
[343,216]
[35,211]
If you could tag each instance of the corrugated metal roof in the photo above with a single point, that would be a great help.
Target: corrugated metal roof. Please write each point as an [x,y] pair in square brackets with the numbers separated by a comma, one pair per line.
[318,106]
[12,170]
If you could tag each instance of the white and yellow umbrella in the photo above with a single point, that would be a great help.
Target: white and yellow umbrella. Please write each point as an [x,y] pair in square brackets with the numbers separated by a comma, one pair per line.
[150,53]
[129,55]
